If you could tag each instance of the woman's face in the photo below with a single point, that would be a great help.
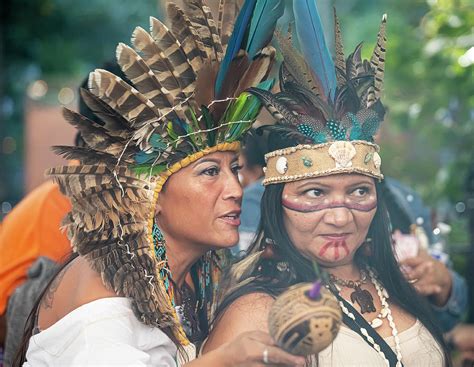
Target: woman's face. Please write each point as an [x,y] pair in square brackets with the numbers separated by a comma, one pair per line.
[200,204]
[327,218]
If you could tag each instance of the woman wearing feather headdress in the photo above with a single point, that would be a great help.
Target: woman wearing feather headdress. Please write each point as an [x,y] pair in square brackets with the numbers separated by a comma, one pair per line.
[323,208]
[155,198]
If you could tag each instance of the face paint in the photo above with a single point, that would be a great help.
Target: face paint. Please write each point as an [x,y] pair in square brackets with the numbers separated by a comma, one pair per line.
[336,245]
[308,207]
[328,218]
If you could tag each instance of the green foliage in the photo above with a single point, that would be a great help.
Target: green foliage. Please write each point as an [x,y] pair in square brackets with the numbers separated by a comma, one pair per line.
[427,138]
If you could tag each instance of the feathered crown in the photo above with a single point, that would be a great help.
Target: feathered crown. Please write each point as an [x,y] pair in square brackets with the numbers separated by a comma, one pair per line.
[327,111]
[185,98]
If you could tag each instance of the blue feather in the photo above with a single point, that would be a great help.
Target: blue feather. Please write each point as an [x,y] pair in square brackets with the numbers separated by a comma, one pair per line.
[262,25]
[313,45]
[235,42]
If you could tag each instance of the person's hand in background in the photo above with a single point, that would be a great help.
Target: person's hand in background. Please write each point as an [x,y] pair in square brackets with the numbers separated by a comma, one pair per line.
[462,339]
[429,276]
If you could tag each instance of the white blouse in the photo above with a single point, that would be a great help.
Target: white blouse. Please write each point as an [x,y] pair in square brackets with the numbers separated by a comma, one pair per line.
[104,332]
[418,347]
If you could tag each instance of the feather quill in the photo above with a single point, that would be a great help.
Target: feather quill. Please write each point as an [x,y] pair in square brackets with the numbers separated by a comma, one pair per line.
[313,45]
[187,36]
[227,13]
[235,43]
[204,92]
[339,51]
[377,61]
[123,98]
[95,136]
[85,155]
[257,71]
[201,19]
[113,120]
[144,79]
[265,15]
[174,57]
[278,109]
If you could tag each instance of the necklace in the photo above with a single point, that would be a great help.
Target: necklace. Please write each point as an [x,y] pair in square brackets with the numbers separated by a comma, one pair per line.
[362,296]
[383,295]
[185,300]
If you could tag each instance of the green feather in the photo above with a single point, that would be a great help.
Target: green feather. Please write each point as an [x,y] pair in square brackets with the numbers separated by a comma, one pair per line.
[209,123]
[147,169]
[171,132]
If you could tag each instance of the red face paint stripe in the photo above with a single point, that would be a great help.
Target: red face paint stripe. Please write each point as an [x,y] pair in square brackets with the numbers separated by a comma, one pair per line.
[325,248]
[336,250]
[344,246]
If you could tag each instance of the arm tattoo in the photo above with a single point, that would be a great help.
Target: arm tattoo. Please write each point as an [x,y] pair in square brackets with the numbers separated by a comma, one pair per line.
[48,297]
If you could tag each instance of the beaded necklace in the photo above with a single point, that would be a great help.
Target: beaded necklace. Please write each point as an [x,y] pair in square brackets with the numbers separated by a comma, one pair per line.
[383,296]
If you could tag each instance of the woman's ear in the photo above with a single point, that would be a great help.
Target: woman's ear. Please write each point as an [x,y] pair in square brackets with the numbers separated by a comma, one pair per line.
[158,206]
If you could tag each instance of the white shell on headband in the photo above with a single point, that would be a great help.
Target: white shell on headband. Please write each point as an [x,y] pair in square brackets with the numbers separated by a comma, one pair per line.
[281,165]
[377,160]
[342,152]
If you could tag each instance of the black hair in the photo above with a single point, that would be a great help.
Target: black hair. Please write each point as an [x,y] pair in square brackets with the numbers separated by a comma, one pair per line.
[399,218]
[254,149]
[270,280]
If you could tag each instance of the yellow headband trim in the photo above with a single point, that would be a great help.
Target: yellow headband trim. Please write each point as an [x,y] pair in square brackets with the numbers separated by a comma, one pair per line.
[306,161]
[161,180]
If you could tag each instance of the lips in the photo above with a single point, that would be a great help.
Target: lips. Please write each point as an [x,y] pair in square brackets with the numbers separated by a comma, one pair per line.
[232,218]
[335,236]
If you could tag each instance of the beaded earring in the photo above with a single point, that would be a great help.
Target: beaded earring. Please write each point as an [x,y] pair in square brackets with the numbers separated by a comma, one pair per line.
[159,245]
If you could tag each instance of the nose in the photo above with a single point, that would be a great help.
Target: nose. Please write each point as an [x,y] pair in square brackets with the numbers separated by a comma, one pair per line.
[232,188]
[338,217]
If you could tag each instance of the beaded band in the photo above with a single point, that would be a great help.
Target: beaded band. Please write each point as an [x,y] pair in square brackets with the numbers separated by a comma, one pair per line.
[305,161]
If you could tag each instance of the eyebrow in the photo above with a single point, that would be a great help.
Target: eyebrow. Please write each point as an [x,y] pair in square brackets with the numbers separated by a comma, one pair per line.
[319,184]
[213,160]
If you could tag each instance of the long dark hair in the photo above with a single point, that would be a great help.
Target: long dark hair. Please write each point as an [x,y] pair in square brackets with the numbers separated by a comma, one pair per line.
[272,281]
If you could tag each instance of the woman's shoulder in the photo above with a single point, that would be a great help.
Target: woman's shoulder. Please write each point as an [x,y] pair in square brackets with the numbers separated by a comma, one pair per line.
[251,309]
[256,301]
[247,313]
[77,284]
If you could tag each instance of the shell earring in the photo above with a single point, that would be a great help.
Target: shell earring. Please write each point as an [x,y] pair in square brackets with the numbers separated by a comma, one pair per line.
[367,247]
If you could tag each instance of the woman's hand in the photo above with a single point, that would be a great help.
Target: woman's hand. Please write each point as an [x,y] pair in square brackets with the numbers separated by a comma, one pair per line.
[249,349]
[256,348]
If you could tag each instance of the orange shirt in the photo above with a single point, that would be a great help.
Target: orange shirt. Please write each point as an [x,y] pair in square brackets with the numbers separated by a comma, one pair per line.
[29,231]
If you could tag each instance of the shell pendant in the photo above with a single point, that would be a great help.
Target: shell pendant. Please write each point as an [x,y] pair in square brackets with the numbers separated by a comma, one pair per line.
[375,323]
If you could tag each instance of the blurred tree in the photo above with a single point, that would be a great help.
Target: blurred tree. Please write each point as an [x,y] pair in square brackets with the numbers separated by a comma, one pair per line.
[54,41]
[429,132]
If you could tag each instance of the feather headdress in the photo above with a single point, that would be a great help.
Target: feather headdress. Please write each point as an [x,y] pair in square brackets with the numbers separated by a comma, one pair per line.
[327,111]
[184,97]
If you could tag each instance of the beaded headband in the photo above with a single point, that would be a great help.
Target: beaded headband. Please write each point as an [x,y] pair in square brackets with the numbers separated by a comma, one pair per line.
[306,160]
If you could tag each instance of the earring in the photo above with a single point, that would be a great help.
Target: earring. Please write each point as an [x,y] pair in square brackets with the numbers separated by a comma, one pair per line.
[367,247]
[159,245]
[269,249]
